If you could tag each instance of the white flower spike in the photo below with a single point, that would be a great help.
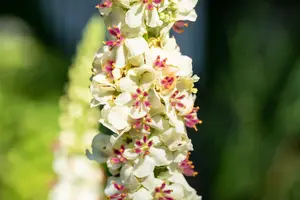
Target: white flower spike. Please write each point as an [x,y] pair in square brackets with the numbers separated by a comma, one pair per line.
[144,88]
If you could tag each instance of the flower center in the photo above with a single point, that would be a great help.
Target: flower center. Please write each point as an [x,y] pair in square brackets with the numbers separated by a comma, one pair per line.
[116,34]
[191,120]
[160,63]
[187,167]
[142,123]
[119,158]
[176,99]
[168,82]
[162,194]
[108,68]
[141,99]
[143,146]
[121,194]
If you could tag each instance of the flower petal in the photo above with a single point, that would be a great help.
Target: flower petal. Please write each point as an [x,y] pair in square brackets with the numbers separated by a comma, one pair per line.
[118,117]
[151,182]
[129,180]
[145,167]
[136,46]
[161,156]
[120,61]
[160,123]
[127,84]
[135,15]
[152,18]
[142,193]
[123,99]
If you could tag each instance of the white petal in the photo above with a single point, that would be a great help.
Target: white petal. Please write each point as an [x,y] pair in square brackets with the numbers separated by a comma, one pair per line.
[129,180]
[179,157]
[146,79]
[118,117]
[190,16]
[185,65]
[135,15]
[185,84]
[145,167]
[187,5]
[164,5]
[154,99]
[120,52]
[166,28]
[160,123]
[137,60]
[126,172]
[142,194]
[176,121]
[130,154]
[125,3]
[123,98]
[177,191]
[151,182]
[179,178]
[188,101]
[110,189]
[113,168]
[116,17]
[136,46]
[161,156]
[126,84]
[171,138]
[139,112]
[152,18]
[169,43]
[117,74]
[155,139]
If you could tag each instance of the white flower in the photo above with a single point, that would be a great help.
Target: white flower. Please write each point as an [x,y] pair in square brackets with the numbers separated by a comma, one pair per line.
[147,156]
[115,118]
[178,11]
[145,10]
[102,90]
[175,140]
[142,193]
[189,192]
[126,49]
[159,189]
[115,189]
[137,93]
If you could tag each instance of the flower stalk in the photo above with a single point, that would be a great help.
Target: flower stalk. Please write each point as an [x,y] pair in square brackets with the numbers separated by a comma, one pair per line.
[76,178]
[144,88]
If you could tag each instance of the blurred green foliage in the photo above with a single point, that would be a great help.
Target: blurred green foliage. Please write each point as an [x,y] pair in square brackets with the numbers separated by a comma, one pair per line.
[256,120]
[31,82]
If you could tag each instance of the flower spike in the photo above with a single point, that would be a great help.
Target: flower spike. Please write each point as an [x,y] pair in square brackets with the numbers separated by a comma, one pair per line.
[145,89]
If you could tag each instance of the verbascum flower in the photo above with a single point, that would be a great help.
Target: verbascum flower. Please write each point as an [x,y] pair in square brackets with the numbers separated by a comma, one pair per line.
[76,178]
[144,88]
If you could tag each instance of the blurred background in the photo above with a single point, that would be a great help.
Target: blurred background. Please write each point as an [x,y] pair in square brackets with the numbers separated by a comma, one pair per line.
[247,54]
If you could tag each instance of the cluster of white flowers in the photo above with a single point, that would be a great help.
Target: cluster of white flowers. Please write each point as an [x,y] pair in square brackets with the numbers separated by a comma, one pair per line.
[76,178]
[145,89]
